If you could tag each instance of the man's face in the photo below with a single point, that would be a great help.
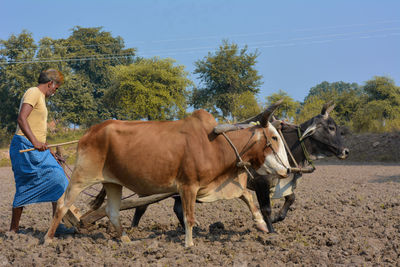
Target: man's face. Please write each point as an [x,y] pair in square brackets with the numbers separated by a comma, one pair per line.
[52,88]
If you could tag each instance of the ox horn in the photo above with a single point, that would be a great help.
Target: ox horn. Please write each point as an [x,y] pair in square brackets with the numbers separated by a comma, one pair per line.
[255,119]
[266,115]
[327,108]
[309,131]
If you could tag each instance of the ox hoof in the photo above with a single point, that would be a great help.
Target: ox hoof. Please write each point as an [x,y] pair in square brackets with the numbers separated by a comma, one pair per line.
[125,239]
[277,219]
[47,241]
[262,227]
[188,245]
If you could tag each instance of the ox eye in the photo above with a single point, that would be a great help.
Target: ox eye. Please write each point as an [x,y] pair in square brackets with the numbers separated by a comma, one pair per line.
[275,138]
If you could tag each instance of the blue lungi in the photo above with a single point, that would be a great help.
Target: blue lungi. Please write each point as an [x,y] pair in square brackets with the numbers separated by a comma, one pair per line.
[38,176]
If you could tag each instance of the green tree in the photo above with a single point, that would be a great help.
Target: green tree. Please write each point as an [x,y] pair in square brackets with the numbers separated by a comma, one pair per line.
[289,107]
[228,72]
[74,102]
[91,51]
[330,90]
[83,58]
[347,96]
[153,89]
[244,106]
[311,107]
[15,78]
[380,111]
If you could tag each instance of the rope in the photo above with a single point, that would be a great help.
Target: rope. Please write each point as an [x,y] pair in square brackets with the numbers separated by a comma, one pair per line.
[241,163]
[306,154]
[287,148]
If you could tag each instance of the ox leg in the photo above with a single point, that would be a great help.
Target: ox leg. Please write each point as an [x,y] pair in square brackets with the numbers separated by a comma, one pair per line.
[178,210]
[188,197]
[247,197]
[138,215]
[114,193]
[262,191]
[281,215]
[63,205]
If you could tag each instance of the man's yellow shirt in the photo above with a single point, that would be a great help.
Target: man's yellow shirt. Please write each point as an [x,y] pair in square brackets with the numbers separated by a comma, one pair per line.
[37,119]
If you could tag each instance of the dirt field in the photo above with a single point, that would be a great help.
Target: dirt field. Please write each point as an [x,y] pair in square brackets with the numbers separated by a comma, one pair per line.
[344,215]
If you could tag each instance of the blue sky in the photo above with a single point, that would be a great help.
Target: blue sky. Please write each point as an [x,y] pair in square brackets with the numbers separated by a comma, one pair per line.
[301,43]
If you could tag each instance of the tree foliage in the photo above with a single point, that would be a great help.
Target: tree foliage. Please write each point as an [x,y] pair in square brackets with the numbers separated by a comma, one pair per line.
[74,103]
[104,80]
[91,51]
[346,96]
[94,43]
[153,89]
[229,72]
[15,78]
[83,58]
[380,110]
[289,107]
[244,106]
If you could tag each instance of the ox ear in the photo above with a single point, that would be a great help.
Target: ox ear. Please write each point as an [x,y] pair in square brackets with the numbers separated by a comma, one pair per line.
[276,123]
[327,108]
[309,131]
[266,115]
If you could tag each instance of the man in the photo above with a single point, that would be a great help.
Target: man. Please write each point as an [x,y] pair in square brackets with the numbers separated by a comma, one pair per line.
[38,176]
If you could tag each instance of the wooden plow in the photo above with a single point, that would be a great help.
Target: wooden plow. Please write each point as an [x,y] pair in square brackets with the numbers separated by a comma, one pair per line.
[75,218]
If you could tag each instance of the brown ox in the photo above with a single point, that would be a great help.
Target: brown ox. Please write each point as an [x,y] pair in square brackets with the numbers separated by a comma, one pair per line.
[184,157]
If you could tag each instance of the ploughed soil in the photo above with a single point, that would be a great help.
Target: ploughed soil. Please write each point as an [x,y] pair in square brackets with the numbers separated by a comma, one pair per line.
[345,214]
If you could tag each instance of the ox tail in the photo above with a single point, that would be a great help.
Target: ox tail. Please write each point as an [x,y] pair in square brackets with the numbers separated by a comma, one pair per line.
[96,203]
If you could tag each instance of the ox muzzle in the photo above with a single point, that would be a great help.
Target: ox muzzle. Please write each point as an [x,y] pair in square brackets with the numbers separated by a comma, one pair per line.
[343,153]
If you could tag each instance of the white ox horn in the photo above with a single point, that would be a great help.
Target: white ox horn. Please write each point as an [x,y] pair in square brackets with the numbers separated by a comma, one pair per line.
[309,131]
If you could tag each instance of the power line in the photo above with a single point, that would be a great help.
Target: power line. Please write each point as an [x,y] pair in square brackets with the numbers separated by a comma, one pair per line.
[60,60]
[230,36]
[270,41]
[255,45]
[88,55]
[271,32]
[290,44]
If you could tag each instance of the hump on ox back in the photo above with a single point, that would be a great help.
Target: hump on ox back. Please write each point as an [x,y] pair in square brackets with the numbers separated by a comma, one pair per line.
[195,163]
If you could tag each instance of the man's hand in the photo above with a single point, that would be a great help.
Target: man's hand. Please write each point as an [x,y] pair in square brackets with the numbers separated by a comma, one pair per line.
[40,146]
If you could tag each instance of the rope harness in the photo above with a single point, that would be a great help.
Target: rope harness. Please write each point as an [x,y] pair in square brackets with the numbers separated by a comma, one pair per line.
[245,164]
[296,169]
[305,152]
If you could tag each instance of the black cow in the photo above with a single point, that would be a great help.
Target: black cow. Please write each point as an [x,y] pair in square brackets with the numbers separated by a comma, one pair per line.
[321,137]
